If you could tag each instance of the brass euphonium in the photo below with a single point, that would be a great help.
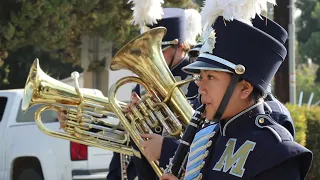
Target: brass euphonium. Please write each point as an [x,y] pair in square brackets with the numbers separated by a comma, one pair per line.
[164,107]
[83,112]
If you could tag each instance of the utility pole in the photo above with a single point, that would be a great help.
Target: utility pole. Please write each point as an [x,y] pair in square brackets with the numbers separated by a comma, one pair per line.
[292,58]
[282,17]
[95,52]
[96,55]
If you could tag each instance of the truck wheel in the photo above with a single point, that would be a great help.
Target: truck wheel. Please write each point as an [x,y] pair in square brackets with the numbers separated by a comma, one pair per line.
[28,174]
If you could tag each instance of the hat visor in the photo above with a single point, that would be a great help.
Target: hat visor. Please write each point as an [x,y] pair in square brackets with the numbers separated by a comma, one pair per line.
[194,68]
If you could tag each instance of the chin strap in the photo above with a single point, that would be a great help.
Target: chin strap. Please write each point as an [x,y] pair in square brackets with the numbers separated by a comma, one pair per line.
[239,70]
[226,98]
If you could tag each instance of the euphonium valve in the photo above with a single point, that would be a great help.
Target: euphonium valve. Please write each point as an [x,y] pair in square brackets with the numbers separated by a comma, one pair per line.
[85,112]
[164,107]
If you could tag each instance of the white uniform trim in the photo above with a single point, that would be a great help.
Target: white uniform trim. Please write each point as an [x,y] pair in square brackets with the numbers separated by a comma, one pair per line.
[218,59]
[236,116]
[207,68]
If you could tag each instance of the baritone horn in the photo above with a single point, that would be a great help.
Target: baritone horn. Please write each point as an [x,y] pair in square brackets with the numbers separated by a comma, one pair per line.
[164,107]
[85,111]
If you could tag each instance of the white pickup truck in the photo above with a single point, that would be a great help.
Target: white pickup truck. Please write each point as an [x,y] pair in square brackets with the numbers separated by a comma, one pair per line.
[26,153]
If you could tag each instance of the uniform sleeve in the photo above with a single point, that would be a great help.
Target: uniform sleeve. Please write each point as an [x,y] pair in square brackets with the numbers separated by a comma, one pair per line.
[136,89]
[195,102]
[192,90]
[114,168]
[281,115]
[289,169]
[143,169]
[169,147]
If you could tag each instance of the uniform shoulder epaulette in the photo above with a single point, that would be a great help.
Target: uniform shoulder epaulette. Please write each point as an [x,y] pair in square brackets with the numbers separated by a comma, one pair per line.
[284,148]
[265,121]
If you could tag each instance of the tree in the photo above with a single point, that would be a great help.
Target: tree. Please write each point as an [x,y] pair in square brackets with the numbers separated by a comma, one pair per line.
[199,2]
[17,66]
[56,26]
[306,74]
[311,46]
[182,3]
[306,24]
[282,91]
[308,33]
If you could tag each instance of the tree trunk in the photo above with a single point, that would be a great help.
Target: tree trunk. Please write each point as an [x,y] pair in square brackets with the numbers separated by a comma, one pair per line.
[281,16]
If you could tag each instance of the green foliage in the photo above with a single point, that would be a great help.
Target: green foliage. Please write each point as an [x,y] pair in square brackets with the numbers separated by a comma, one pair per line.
[312,141]
[311,47]
[199,2]
[56,26]
[305,82]
[19,63]
[299,117]
[306,24]
[181,4]
[308,35]
[307,124]
[315,14]
[5,70]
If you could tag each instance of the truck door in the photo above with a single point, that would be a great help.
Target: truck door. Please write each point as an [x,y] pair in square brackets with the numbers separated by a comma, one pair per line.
[3,126]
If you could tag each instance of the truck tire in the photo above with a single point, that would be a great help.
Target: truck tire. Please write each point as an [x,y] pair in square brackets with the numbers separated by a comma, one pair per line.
[30,173]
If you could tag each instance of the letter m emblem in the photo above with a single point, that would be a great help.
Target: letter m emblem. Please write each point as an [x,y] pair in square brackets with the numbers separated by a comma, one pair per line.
[234,160]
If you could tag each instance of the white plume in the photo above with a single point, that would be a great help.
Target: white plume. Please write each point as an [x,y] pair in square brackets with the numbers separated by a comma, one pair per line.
[146,12]
[241,10]
[193,25]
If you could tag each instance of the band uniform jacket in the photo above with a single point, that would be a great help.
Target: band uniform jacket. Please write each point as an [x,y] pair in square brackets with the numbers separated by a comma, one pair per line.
[250,146]
[272,107]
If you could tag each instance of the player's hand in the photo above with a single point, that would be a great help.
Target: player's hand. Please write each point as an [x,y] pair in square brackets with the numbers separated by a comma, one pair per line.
[168,177]
[152,146]
[134,101]
[62,117]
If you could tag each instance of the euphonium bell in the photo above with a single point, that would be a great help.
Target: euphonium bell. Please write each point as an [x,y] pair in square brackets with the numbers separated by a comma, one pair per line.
[84,112]
[164,107]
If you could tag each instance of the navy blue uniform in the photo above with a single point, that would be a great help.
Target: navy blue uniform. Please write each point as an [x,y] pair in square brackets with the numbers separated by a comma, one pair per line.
[251,145]
[279,113]
[115,169]
[272,106]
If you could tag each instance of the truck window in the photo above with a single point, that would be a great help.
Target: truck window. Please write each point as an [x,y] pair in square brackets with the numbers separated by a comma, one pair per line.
[28,116]
[3,103]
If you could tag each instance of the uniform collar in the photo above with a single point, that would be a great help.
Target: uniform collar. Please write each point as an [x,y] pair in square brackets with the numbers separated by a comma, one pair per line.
[241,122]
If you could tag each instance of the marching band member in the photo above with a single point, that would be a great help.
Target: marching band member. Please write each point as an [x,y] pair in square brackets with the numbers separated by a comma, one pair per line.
[182,26]
[272,105]
[175,45]
[236,64]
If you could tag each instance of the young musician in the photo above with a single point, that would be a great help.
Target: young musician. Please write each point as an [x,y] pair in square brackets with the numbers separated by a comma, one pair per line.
[236,64]
[175,46]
